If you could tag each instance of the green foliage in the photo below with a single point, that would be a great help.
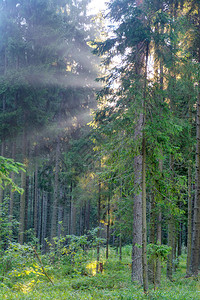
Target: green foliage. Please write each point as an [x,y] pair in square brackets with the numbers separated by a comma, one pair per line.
[71,253]
[157,251]
[18,264]
[114,283]
[7,166]
[5,225]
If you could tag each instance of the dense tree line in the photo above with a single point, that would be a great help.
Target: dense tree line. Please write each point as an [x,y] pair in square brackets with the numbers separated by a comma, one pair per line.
[135,171]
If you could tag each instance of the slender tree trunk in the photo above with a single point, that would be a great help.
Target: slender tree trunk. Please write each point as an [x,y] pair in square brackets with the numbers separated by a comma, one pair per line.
[196,225]
[55,199]
[159,235]
[88,215]
[70,210]
[159,224]
[159,241]
[179,250]
[137,210]
[60,219]
[11,192]
[139,257]
[2,154]
[189,229]
[144,201]
[40,207]
[44,221]
[170,231]
[120,224]
[144,221]
[108,227]
[23,196]
[26,207]
[175,236]
[152,238]
[49,205]
[170,244]
[98,220]
[36,199]
[65,216]
[73,215]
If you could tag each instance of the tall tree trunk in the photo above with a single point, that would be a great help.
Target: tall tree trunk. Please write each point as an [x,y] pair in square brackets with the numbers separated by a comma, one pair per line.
[2,154]
[189,229]
[159,234]
[40,202]
[120,245]
[88,215]
[170,231]
[60,220]
[26,208]
[179,249]
[23,196]
[11,192]
[73,215]
[144,204]
[108,227]
[65,215]
[36,199]
[152,238]
[70,210]
[139,259]
[98,220]
[44,221]
[196,224]
[137,210]
[55,198]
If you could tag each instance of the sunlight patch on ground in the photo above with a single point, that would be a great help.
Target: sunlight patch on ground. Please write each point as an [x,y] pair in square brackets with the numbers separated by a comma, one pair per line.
[91,267]
[25,287]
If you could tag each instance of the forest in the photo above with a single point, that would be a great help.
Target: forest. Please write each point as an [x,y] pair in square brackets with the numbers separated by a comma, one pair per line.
[99,149]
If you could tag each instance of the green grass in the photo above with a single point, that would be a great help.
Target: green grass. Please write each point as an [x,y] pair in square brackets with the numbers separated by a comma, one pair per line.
[114,283]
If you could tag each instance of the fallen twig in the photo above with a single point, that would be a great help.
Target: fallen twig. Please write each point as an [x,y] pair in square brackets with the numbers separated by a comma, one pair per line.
[42,266]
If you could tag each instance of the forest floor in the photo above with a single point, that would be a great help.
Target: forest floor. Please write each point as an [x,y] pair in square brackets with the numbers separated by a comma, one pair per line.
[113,283]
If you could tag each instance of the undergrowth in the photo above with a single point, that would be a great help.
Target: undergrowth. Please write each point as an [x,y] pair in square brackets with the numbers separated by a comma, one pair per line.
[22,277]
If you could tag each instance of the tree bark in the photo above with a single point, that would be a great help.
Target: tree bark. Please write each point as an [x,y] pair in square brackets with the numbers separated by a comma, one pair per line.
[144,198]
[170,232]
[36,199]
[98,220]
[12,193]
[108,227]
[159,235]
[137,210]
[152,238]
[2,154]
[23,196]
[189,229]
[55,198]
[196,222]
